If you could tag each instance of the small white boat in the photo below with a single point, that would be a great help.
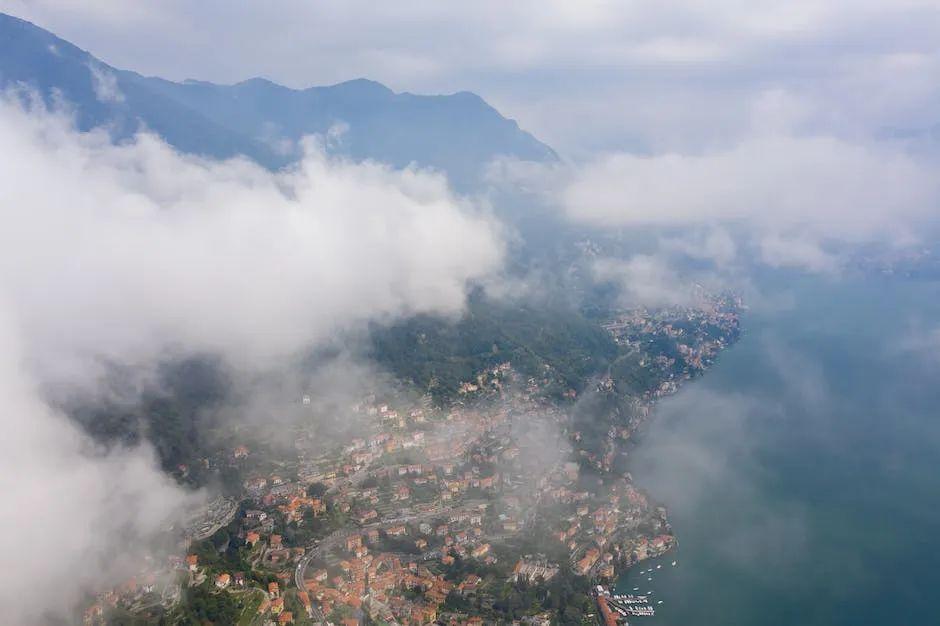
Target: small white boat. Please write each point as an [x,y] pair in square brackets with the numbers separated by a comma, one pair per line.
[636,588]
[649,578]
[659,602]
[673,563]
[659,567]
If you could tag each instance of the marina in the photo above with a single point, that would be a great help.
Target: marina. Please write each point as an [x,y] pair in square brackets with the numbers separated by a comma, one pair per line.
[623,605]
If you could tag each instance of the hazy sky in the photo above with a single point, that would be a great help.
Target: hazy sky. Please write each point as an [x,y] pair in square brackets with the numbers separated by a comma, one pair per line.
[647,75]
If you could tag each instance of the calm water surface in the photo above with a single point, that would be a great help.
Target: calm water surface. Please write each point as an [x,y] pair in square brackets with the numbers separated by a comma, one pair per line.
[802,473]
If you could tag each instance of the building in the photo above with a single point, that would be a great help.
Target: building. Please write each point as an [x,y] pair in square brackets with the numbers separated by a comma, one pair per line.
[480,550]
[353,543]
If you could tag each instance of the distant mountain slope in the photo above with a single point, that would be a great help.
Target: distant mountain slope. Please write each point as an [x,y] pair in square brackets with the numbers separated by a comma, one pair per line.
[456,133]
[100,95]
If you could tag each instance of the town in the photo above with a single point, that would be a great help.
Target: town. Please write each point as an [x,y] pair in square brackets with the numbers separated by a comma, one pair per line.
[423,514]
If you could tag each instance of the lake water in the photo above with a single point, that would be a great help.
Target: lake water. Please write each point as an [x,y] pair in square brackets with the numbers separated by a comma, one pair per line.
[802,472]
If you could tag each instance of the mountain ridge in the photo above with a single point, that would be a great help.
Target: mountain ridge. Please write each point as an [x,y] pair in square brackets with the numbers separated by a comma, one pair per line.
[457,133]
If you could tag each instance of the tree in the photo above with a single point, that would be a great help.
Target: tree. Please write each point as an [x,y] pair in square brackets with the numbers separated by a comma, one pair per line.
[316,490]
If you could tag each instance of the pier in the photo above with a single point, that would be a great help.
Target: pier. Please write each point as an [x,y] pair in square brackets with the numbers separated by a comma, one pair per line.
[623,605]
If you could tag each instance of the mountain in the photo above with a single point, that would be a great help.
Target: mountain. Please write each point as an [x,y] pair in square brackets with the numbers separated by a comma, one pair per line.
[103,96]
[458,133]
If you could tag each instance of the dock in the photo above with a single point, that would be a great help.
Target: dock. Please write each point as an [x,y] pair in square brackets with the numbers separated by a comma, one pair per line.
[615,608]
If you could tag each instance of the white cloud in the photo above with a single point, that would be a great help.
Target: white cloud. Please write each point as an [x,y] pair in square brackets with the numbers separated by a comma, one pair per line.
[72,516]
[714,245]
[645,280]
[833,186]
[796,252]
[124,252]
[789,192]
[104,82]
[137,247]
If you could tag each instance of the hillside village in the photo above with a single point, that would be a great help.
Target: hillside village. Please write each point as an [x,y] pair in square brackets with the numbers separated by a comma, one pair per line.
[451,515]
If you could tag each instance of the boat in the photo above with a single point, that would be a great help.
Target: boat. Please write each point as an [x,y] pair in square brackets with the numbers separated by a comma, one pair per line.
[659,602]
[650,578]
[673,563]
[659,567]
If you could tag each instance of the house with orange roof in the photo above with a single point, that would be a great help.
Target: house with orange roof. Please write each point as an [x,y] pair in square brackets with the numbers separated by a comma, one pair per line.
[469,584]
[353,600]
[480,550]
[585,564]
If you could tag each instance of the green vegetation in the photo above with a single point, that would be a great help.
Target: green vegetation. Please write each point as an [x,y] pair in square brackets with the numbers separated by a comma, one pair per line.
[567,595]
[632,378]
[438,354]
[176,415]
[203,606]
[251,600]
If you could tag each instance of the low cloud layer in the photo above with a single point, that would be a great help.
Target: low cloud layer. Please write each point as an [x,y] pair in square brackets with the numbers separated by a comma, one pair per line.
[130,253]
[825,185]
[784,196]
[73,516]
[121,251]
[644,280]
[785,192]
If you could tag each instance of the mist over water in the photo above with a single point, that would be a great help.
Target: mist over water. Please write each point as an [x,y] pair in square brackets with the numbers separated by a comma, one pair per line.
[801,472]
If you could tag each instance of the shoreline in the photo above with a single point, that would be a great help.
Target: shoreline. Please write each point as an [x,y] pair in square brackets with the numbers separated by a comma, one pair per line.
[640,427]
